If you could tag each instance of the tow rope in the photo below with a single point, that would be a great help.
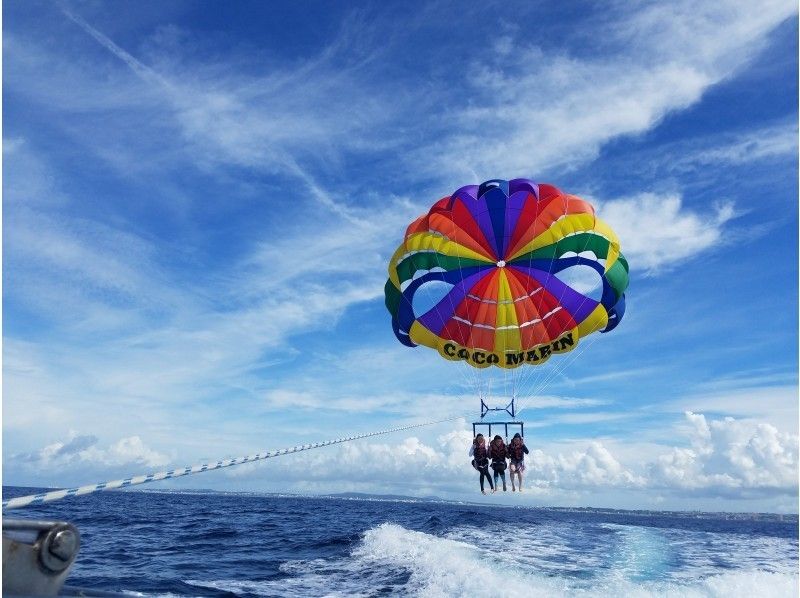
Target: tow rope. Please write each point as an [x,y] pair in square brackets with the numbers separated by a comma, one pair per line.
[36,499]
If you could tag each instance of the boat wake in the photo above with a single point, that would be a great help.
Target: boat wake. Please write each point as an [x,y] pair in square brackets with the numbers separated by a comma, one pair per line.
[533,561]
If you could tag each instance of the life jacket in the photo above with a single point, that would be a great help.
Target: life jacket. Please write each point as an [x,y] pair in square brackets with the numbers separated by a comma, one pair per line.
[480,455]
[516,451]
[498,452]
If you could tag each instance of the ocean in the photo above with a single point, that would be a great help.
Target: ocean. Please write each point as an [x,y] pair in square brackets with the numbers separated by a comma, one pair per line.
[178,543]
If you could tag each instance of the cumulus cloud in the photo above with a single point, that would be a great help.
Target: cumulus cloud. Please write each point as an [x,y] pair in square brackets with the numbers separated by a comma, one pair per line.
[723,457]
[594,466]
[767,398]
[80,452]
[729,454]
[442,465]
[58,451]
[76,445]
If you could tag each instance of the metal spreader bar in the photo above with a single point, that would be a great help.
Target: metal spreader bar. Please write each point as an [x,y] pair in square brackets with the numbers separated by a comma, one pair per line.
[510,409]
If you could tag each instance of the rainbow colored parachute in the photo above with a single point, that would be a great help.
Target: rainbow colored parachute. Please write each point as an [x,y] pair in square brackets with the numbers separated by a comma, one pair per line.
[499,256]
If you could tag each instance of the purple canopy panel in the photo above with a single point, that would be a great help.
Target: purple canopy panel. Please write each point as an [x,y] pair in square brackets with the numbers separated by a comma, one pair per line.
[578,305]
[436,318]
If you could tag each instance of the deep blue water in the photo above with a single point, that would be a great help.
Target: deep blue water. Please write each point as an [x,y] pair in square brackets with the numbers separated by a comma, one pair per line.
[212,544]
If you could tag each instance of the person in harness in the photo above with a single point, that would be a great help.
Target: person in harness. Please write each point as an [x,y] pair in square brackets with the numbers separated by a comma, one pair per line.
[480,460]
[516,452]
[498,454]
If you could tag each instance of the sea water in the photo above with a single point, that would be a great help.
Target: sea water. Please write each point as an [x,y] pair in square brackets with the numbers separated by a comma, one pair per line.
[164,543]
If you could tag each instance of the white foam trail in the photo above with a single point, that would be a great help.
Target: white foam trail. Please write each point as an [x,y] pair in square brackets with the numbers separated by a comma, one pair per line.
[504,562]
[488,565]
[442,567]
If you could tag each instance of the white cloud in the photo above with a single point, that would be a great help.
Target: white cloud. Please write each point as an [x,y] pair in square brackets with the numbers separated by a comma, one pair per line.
[775,405]
[131,451]
[769,142]
[724,458]
[728,454]
[543,109]
[724,454]
[98,259]
[594,466]
[126,326]
[552,108]
[410,462]
[325,398]
[81,453]
[586,418]
[551,402]
[659,232]
[264,121]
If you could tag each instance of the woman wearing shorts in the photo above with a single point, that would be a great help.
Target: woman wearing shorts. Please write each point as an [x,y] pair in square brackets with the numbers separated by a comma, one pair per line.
[517,451]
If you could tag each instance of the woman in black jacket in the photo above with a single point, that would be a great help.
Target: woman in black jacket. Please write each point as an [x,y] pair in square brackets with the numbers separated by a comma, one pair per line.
[480,460]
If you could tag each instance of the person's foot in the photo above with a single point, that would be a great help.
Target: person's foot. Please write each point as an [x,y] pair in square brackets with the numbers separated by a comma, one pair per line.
[483,491]
[513,489]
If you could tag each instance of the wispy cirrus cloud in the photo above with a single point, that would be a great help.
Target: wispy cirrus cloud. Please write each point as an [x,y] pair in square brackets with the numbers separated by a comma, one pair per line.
[659,233]
[249,121]
[556,110]
[269,120]
[553,108]
[775,404]
[776,140]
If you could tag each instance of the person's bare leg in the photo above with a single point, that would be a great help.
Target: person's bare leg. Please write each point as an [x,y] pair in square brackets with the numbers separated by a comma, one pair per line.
[519,473]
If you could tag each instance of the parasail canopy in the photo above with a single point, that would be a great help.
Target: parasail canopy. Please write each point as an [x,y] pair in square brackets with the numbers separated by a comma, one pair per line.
[488,275]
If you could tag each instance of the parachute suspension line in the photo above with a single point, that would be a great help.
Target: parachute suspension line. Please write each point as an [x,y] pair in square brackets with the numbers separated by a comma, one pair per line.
[36,499]
[540,380]
[563,365]
[532,376]
[584,344]
[472,377]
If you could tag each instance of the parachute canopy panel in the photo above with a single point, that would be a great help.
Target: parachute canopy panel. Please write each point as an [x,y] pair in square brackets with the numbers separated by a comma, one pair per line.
[500,254]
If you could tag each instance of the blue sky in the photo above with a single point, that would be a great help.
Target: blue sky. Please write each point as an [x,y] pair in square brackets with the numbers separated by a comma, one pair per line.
[200,200]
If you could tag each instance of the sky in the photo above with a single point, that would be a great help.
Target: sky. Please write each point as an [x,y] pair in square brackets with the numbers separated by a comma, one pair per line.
[200,200]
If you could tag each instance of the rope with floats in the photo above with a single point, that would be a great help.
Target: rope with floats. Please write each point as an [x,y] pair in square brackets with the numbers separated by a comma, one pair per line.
[37,499]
